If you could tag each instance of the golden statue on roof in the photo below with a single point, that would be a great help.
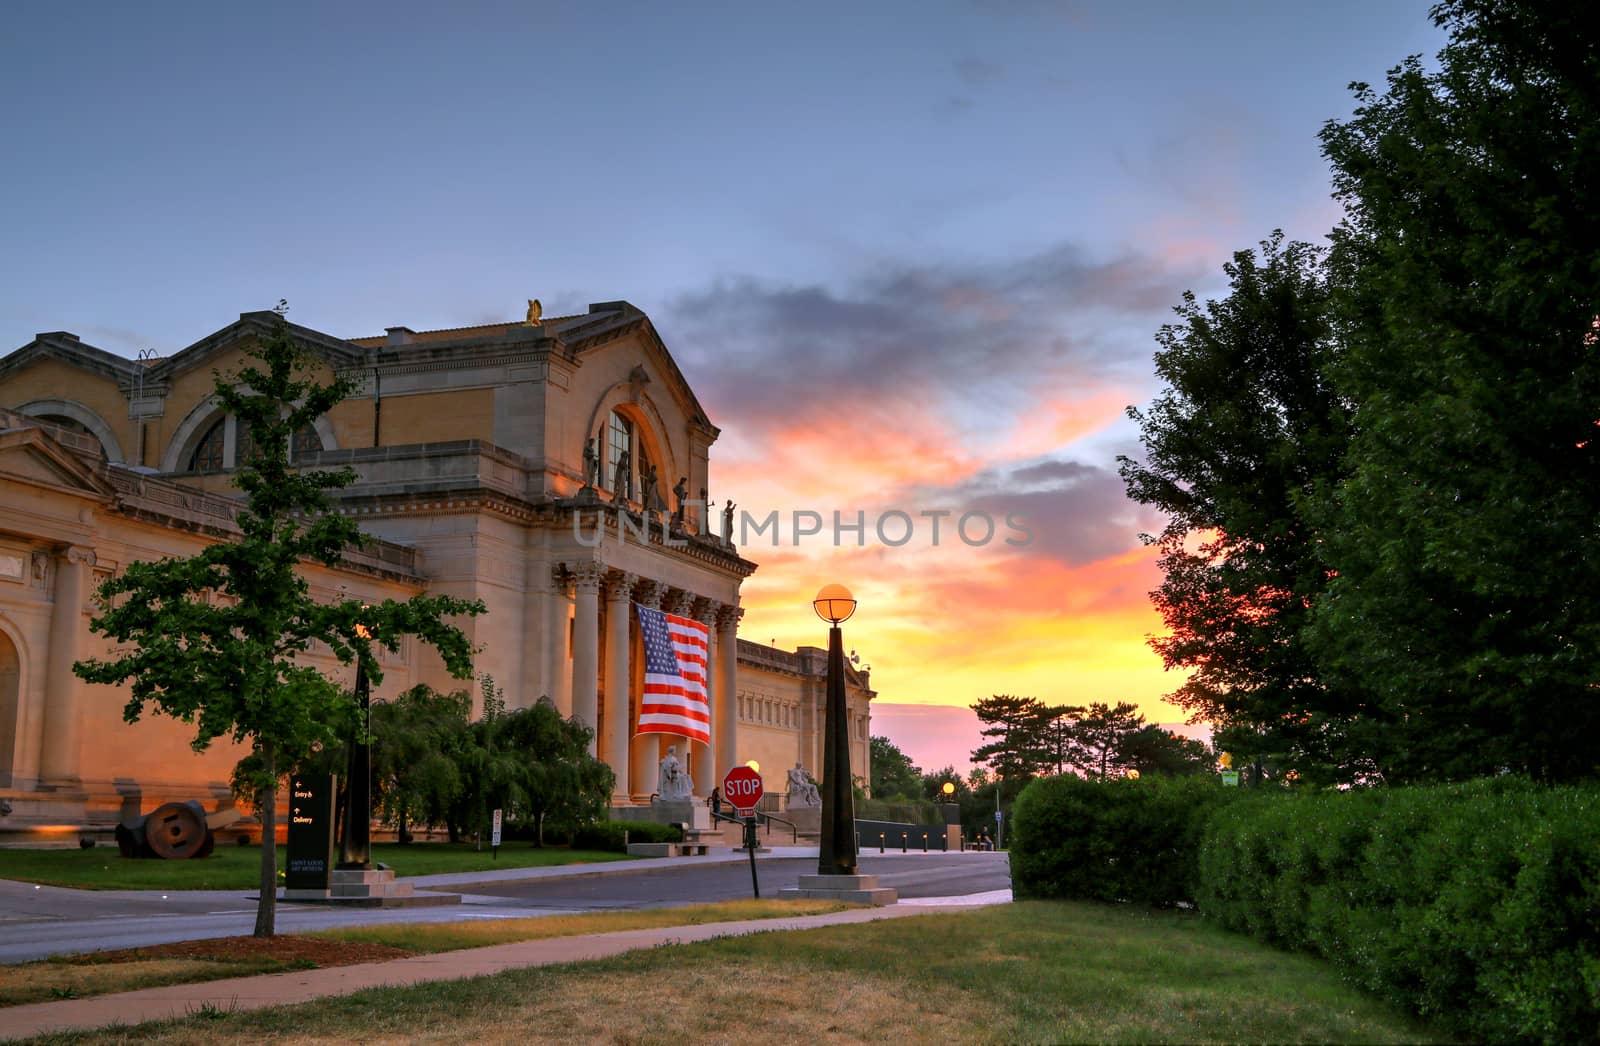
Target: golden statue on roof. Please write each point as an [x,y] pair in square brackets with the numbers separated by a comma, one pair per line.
[535,310]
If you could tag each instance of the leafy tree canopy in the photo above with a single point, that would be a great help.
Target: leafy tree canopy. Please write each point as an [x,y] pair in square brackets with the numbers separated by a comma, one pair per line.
[216,639]
[1467,589]
[894,776]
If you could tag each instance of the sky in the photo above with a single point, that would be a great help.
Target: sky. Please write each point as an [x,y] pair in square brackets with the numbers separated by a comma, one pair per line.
[911,256]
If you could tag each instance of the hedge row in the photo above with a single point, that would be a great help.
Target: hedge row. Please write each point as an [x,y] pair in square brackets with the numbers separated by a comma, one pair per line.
[1475,904]
[1118,840]
[616,835]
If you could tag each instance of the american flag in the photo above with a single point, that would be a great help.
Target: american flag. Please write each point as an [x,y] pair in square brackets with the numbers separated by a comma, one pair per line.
[674,700]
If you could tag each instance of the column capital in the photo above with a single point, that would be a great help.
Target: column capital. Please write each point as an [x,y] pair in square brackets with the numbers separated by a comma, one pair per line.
[76,554]
[704,611]
[585,576]
[650,593]
[619,585]
[679,602]
[728,618]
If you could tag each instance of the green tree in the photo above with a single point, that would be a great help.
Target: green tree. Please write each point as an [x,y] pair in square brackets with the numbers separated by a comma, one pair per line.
[491,770]
[1152,750]
[894,776]
[416,743]
[1018,748]
[1248,428]
[217,637]
[1103,736]
[560,781]
[1467,595]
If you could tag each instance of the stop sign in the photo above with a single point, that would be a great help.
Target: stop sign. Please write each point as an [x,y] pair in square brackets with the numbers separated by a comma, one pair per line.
[742,788]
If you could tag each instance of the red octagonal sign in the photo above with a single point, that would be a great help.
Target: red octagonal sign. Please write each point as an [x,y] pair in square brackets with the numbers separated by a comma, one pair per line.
[742,788]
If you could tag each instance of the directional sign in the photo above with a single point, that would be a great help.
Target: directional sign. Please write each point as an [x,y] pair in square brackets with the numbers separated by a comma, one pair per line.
[495,830]
[742,788]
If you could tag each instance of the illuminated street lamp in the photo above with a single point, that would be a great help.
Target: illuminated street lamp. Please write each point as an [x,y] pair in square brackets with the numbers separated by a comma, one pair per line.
[949,789]
[837,855]
[752,764]
[355,842]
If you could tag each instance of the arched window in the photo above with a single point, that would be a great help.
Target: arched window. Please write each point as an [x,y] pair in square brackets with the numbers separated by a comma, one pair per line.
[74,426]
[619,444]
[306,441]
[208,453]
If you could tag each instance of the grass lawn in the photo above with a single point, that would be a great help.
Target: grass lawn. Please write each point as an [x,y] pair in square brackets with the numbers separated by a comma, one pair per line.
[239,867]
[1029,972]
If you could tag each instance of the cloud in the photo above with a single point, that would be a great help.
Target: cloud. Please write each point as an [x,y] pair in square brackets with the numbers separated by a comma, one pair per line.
[959,333]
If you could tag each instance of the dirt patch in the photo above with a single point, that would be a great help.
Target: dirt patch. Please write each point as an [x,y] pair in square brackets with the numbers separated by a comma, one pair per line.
[285,948]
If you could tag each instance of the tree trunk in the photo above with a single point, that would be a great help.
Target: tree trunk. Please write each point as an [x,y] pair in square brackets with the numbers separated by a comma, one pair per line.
[267,807]
[538,829]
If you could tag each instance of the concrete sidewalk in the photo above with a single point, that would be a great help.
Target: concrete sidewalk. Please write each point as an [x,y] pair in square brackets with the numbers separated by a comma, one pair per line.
[251,993]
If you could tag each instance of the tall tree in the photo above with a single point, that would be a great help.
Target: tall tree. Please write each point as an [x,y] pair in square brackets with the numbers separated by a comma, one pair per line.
[1103,736]
[894,776]
[416,743]
[1247,430]
[561,782]
[1016,726]
[1467,596]
[217,638]
[1152,750]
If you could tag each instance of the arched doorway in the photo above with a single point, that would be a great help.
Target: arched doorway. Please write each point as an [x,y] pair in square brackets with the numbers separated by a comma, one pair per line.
[10,704]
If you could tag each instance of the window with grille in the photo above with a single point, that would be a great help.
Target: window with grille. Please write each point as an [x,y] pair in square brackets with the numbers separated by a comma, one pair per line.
[620,442]
[207,456]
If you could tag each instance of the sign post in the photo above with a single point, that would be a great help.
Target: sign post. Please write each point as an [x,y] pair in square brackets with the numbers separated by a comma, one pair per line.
[494,837]
[742,788]
[310,860]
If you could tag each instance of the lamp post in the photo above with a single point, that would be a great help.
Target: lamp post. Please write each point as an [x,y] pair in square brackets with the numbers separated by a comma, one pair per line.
[834,604]
[355,843]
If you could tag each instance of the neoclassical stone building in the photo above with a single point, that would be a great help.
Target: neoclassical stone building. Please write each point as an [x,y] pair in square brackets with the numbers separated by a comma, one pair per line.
[554,469]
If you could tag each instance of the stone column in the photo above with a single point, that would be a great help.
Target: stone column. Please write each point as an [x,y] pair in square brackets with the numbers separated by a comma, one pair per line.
[557,662]
[646,747]
[586,646]
[723,711]
[63,711]
[618,727]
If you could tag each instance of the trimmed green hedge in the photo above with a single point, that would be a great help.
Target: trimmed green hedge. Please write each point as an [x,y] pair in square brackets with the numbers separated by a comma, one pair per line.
[1475,904]
[1117,840]
[609,835]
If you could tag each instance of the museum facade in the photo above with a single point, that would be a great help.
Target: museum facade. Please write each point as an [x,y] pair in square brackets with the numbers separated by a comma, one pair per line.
[557,469]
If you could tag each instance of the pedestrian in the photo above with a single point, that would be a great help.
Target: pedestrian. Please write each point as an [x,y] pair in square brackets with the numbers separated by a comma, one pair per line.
[715,802]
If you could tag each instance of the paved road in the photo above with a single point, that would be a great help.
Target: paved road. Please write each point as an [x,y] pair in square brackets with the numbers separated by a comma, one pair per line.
[928,875]
[39,921]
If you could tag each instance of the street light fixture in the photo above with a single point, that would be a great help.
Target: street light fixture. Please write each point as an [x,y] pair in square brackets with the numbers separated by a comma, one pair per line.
[837,854]
[355,842]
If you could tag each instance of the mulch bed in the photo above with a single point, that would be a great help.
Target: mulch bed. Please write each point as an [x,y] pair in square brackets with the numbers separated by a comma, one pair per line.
[286,948]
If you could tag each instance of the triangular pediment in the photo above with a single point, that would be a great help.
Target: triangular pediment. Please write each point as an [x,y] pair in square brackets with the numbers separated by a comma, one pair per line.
[611,323]
[336,351]
[28,455]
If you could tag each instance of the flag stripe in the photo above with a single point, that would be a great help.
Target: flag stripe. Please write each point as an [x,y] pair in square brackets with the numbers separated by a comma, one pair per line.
[674,698]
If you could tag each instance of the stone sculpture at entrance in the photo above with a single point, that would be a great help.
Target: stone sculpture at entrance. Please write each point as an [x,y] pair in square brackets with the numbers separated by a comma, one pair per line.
[802,793]
[673,782]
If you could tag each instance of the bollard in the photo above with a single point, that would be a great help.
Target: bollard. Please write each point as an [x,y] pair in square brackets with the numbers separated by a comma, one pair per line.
[903,843]
[924,842]
[880,842]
